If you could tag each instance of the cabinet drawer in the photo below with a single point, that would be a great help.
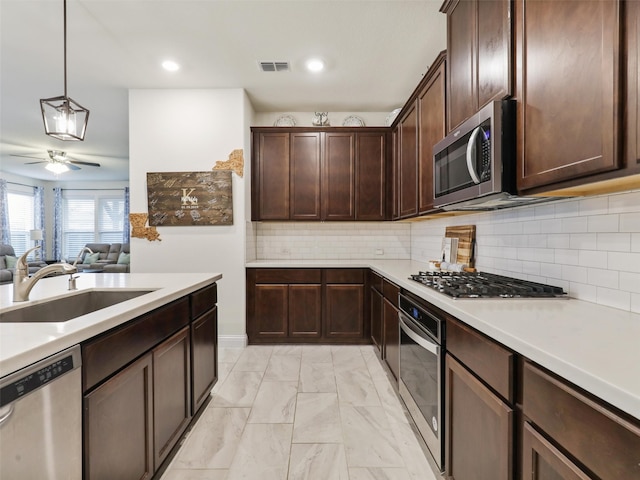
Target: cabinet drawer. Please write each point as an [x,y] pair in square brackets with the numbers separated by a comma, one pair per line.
[391,292]
[288,275]
[488,360]
[104,355]
[375,281]
[344,275]
[605,443]
[203,300]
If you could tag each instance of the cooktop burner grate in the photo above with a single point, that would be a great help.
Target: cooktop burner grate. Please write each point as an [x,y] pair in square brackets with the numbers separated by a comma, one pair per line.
[485,285]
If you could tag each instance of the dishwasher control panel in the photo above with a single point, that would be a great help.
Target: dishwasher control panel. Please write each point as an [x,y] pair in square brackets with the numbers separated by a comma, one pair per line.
[31,378]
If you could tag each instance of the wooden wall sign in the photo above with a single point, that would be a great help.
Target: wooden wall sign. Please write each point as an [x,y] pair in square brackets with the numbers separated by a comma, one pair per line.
[189,198]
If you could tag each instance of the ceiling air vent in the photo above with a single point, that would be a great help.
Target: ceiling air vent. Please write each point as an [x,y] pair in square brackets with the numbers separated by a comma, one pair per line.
[274,66]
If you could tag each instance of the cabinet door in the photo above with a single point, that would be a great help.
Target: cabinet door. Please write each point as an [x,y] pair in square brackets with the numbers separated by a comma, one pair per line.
[479,428]
[432,129]
[568,86]
[493,54]
[395,174]
[370,176]
[171,392]
[461,45]
[270,311]
[271,177]
[633,85]
[376,311]
[118,426]
[408,163]
[344,311]
[305,176]
[542,461]
[391,337]
[338,181]
[305,311]
[204,356]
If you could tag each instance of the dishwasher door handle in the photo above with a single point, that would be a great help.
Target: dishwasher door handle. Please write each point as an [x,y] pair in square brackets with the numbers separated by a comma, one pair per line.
[5,413]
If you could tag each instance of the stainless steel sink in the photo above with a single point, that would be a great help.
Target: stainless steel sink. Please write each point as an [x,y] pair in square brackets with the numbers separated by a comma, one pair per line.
[69,307]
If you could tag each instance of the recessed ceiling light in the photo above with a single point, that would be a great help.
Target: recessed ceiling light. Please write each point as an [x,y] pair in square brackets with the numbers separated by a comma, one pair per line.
[170,66]
[315,65]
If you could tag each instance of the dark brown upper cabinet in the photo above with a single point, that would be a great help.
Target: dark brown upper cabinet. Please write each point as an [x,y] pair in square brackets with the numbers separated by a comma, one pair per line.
[408,162]
[479,55]
[568,86]
[432,129]
[305,174]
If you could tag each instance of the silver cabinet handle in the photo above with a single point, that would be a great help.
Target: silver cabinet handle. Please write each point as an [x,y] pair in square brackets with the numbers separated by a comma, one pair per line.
[5,413]
[471,150]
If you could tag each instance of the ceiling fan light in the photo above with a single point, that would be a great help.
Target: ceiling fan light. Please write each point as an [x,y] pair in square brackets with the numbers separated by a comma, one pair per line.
[56,167]
[63,118]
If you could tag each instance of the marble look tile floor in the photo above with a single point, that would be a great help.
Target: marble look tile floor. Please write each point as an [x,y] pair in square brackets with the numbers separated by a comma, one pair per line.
[301,413]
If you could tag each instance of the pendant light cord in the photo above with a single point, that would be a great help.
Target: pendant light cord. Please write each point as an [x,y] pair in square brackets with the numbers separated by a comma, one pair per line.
[64,3]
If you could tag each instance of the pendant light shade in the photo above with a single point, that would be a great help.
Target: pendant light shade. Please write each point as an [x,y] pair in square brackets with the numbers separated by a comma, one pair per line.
[64,118]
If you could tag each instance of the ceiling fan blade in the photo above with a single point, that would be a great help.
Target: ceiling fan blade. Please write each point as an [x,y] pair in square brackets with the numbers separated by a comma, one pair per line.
[27,156]
[78,162]
[72,167]
[41,161]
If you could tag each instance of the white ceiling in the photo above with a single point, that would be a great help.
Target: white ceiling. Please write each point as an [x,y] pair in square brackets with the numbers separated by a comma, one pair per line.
[376,52]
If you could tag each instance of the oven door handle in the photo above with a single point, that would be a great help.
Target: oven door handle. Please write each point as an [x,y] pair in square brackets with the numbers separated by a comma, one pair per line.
[416,337]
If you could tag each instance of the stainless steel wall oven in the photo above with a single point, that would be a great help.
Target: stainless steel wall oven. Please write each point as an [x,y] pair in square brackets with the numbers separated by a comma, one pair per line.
[422,349]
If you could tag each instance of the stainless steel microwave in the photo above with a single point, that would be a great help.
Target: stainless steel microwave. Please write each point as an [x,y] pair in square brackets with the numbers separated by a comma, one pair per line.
[474,167]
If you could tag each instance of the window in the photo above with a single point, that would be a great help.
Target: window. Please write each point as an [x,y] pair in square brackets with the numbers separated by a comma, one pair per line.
[91,216]
[21,217]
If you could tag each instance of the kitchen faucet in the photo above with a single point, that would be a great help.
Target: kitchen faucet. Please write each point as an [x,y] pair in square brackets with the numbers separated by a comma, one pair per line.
[85,249]
[23,283]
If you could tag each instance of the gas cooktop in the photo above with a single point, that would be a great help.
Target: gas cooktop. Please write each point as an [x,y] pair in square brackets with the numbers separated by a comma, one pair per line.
[485,285]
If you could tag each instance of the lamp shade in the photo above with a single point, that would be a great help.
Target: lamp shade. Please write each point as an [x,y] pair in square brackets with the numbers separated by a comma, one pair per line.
[35,234]
[63,118]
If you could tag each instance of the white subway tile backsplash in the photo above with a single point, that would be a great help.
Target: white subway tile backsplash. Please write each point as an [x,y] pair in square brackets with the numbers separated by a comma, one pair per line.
[603,223]
[617,242]
[630,222]
[630,282]
[603,278]
[575,224]
[588,246]
[613,298]
[624,262]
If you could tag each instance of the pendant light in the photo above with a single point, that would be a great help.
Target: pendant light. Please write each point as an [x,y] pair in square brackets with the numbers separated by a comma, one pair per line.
[63,118]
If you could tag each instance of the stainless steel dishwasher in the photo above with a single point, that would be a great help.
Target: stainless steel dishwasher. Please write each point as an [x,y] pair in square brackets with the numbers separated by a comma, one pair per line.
[41,419]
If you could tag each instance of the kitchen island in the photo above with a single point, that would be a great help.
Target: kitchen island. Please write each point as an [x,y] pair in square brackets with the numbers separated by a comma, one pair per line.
[155,354]
[22,344]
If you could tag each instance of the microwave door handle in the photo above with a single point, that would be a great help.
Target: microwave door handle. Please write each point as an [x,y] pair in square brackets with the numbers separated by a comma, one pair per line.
[471,153]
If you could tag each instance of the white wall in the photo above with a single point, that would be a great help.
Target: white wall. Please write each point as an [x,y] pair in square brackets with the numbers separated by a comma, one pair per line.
[182,131]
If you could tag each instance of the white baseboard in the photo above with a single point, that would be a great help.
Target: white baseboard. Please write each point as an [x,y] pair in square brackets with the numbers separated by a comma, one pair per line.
[232,341]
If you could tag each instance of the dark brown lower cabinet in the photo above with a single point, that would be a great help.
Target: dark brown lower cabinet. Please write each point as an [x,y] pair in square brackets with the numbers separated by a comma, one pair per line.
[479,428]
[306,306]
[603,443]
[171,392]
[542,461]
[376,311]
[204,372]
[391,327]
[118,425]
[138,384]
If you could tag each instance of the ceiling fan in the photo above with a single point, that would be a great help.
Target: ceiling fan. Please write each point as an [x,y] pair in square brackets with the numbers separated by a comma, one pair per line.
[59,162]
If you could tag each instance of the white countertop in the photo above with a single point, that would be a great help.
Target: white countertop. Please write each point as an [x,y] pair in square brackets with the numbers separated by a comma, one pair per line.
[592,346]
[24,343]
